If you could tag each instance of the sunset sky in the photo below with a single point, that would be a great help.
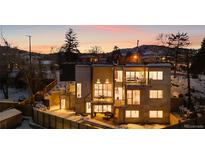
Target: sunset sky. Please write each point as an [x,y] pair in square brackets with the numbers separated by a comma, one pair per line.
[45,37]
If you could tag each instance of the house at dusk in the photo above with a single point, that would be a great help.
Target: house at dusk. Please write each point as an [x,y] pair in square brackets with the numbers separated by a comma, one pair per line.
[134,93]
[131,93]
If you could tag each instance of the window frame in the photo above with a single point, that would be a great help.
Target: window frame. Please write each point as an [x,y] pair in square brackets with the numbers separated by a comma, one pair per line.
[119,76]
[157,94]
[157,75]
[131,99]
[79,90]
[131,113]
[159,113]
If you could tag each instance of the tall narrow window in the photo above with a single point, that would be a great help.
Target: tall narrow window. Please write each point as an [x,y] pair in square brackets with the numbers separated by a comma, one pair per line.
[133,97]
[118,75]
[118,93]
[129,97]
[88,107]
[156,75]
[78,90]
[155,94]
[98,91]
[136,97]
[107,90]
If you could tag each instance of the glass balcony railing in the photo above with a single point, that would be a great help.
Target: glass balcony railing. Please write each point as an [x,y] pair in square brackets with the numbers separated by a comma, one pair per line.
[136,81]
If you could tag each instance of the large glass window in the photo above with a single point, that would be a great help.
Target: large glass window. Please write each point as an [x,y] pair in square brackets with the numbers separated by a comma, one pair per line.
[156,114]
[98,90]
[103,89]
[132,114]
[155,94]
[78,90]
[133,97]
[118,75]
[107,90]
[156,75]
[118,93]
[134,75]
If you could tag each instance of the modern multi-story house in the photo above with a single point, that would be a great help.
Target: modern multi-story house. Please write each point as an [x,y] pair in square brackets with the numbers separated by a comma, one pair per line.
[134,93]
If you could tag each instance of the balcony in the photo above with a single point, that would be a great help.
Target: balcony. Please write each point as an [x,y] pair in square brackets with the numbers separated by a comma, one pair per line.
[119,103]
[135,82]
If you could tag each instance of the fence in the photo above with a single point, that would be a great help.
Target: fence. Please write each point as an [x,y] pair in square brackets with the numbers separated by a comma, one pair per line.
[55,122]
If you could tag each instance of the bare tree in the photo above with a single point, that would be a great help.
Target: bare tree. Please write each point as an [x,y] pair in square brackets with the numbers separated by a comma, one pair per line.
[5,78]
[178,41]
[175,41]
[95,49]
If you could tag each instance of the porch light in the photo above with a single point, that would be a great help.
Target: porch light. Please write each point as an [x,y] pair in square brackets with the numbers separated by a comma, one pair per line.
[107,81]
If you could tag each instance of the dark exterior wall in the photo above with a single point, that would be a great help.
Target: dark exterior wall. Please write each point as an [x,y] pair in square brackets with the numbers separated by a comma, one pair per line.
[83,76]
[146,103]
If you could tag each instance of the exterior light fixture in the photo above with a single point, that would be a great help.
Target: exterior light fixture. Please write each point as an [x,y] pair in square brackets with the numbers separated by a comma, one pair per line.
[107,81]
[98,81]
[135,57]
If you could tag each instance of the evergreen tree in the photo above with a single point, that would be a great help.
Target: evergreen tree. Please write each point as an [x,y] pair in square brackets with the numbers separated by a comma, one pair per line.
[69,51]
[198,64]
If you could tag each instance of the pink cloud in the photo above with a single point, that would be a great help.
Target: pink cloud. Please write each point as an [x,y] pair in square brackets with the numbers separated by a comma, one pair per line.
[118,29]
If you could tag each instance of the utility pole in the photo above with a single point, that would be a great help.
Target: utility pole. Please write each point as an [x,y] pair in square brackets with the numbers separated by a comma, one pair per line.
[29,37]
[137,44]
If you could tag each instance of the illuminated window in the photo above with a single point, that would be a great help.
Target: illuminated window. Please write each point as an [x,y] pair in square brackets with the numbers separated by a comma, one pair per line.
[98,90]
[102,89]
[133,97]
[132,114]
[130,75]
[88,107]
[118,93]
[156,114]
[78,90]
[107,90]
[134,75]
[63,103]
[118,76]
[156,75]
[155,94]
[139,75]
[102,108]
[106,108]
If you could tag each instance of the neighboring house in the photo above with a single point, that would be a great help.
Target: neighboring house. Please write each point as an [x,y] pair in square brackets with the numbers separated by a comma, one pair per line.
[134,93]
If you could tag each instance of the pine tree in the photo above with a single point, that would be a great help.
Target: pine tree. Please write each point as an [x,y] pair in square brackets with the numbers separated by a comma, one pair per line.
[198,64]
[69,51]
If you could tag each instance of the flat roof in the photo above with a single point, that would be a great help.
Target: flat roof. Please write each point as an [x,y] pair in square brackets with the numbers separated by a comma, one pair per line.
[159,65]
[128,65]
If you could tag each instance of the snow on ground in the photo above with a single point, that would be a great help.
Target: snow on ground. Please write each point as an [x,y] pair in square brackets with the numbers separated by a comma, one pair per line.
[24,125]
[147,126]
[179,86]
[15,94]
